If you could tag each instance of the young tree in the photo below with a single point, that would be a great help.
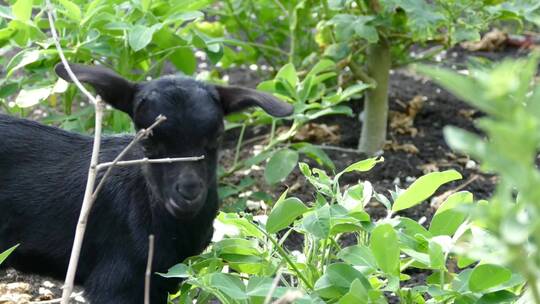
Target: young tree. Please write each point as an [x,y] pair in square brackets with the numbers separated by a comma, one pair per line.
[374,36]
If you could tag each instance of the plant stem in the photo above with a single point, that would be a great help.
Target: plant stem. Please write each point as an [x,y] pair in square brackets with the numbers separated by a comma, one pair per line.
[239,145]
[292,34]
[373,134]
[272,133]
[286,257]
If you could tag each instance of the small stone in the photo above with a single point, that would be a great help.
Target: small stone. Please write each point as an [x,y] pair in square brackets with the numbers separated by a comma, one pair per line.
[471,164]
[48,284]
[410,179]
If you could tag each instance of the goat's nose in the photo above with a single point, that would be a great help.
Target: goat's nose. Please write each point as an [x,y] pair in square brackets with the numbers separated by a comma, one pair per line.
[189,189]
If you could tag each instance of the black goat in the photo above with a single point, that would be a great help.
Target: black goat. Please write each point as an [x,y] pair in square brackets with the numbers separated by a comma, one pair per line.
[43,172]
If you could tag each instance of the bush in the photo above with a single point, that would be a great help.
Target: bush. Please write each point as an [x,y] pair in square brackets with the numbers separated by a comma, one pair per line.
[249,262]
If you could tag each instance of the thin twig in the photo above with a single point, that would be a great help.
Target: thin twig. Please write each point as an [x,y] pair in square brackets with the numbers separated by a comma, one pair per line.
[166,160]
[143,133]
[56,41]
[148,273]
[85,209]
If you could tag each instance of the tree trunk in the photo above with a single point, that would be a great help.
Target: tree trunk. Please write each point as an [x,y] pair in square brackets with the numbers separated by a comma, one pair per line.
[378,64]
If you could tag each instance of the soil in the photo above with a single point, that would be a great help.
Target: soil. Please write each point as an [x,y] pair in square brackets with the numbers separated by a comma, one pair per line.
[406,157]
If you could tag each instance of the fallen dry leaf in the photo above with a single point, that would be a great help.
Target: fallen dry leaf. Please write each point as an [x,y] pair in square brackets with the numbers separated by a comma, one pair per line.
[428,168]
[402,123]
[395,146]
[467,113]
[318,133]
[491,41]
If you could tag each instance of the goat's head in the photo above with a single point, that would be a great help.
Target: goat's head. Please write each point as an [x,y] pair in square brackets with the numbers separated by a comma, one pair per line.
[193,127]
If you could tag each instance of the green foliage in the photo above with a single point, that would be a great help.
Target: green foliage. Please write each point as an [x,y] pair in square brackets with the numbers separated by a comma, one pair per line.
[509,95]
[251,250]
[4,255]
[311,99]
[134,38]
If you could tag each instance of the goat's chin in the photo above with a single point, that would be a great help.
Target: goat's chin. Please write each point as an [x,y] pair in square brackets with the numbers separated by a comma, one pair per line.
[182,210]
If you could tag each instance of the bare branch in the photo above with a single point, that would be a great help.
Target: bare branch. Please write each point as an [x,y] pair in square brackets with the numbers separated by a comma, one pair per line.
[148,273]
[63,57]
[145,160]
[143,133]
[86,206]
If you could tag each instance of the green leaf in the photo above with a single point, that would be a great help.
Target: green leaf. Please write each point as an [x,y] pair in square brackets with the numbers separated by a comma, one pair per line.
[359,255]
[284,213]
[318,222]
[31,97]
[463,87]
[486,276]
[140,36]
[184,59]
[322,66]
[498,297]
[385,247]
[72,10]
[357,294]
[348,25]
[464,141]
[22,10]
[184,16]
[436,255]
[288,73]
[229,284]
[237,246]
[145,5]
[364,165]
[337,280]
[447,220]
[315,153]
[423,188]
[5,12]
[280,165]
[22,59]
[177,271]
[4,255]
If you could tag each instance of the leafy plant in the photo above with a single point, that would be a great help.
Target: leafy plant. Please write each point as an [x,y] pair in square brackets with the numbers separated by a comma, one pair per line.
[380,33]
[370,37]
[135,38]
[311,99]
[509,94]
[252,260]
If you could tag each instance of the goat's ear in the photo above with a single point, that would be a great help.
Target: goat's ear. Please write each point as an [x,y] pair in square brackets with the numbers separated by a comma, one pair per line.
[115,90]
[237,98]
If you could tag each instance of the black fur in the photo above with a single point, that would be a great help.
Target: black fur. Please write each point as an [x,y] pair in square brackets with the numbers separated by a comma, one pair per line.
[43,173]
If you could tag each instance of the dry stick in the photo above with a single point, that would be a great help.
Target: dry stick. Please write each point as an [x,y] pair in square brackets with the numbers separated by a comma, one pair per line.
[143,133]
[146,160]
[85,209]
[148,272]
[87,203]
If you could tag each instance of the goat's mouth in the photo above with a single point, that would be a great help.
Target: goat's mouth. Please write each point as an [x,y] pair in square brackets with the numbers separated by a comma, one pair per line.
[184,208]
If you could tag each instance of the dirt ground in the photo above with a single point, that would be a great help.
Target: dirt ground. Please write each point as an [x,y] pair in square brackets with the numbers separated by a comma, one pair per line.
[412,150]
